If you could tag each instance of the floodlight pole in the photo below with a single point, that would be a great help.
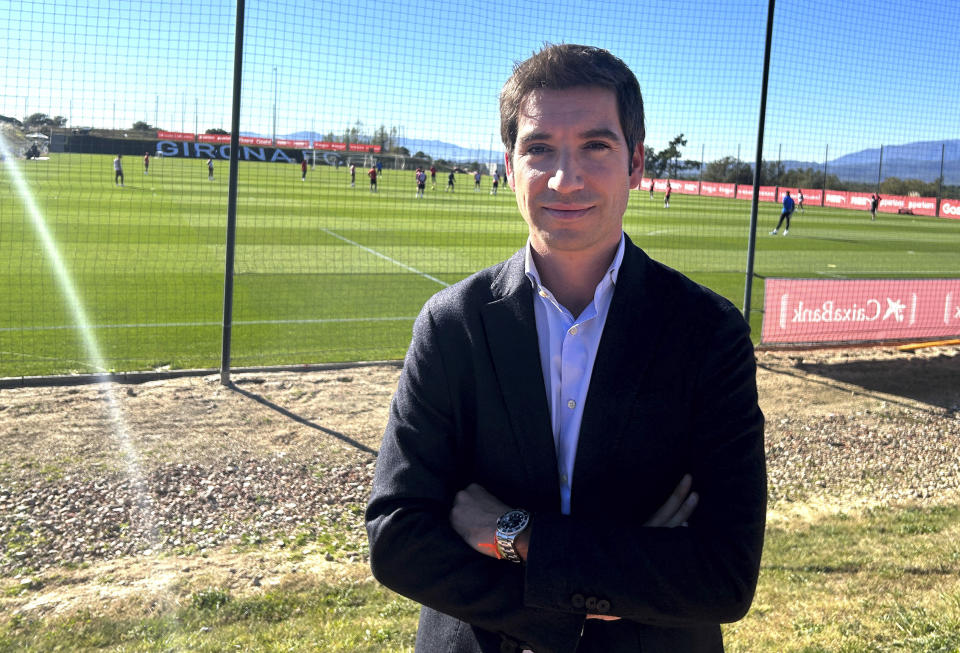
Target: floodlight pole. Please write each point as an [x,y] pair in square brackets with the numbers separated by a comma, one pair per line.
[232,197]
[940,179]
[879,169]
[755,204]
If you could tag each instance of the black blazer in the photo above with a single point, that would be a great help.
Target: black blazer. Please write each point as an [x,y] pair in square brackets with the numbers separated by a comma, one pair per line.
[673,391]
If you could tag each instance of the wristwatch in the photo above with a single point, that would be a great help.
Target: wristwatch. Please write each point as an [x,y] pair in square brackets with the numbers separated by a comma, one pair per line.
[509,525]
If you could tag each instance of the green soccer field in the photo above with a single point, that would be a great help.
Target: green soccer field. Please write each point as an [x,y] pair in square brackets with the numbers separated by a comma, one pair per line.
[330,273]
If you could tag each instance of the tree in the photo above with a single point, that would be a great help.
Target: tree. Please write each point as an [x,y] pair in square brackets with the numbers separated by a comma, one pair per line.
[141,126]
[421,155]
[217,130]
[36,120]
[660,164]
[12,121]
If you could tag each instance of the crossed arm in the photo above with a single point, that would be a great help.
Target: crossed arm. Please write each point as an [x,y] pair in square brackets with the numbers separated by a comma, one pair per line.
[475,512]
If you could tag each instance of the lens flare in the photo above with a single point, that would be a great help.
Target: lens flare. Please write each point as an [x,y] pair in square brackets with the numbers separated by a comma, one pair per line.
[91,346]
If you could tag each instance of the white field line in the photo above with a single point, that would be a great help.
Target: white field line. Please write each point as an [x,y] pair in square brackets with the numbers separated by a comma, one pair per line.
[172,325]
[386,258]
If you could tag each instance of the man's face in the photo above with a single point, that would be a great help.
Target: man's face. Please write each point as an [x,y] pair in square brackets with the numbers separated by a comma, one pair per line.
[570,170]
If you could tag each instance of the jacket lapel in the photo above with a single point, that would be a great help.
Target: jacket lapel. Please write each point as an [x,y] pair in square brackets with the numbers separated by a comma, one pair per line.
[629,339]
[511,333]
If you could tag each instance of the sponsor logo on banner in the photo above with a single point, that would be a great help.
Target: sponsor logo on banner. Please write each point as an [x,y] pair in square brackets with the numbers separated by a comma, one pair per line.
[745,192]
[175,136]
[922,205]
[835,198]
[950,209]
[768,193]
[300,145]
[817,310]
[214,138]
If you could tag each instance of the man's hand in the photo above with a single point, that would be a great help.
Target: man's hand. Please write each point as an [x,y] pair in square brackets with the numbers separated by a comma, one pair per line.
[474,517]
[674,512]
[677,508]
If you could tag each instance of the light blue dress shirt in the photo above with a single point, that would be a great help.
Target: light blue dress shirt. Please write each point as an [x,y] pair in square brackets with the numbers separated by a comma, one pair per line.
[568,349]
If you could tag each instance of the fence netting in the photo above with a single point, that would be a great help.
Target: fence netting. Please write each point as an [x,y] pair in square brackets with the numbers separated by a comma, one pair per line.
[342,104]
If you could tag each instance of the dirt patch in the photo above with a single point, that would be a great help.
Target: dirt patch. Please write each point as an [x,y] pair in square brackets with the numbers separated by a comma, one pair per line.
[202,485]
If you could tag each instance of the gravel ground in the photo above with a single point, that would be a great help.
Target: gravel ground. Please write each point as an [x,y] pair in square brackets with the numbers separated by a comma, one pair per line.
[287,455]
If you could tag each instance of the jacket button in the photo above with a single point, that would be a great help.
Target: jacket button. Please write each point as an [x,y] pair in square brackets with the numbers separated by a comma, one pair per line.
[577,601]
[591,603]
[603,606]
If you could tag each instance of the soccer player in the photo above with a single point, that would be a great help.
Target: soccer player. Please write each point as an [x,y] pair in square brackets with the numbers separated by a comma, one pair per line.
[496,183]
[353,175]
[800,200]
[476,181]
[433,177]
[421,182]
[666,196]
[788,205]
[379,168]
[874,204]
[651,189]
[146,163]
[450,181]
[372,173]
[210,169]
[303,169]
[118,171]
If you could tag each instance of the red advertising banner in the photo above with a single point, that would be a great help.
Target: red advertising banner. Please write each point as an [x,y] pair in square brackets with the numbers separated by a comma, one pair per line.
[214,138]
[363,147]
[714,189]
[660,185]
[645,184]
[921,205]
[685,187]
[812,196]
[950,208]
[744,192]
[300,145]
[255,140]
[892,203]
[768,193]
[330,147]
[859,310]
[175,136]
[837,199]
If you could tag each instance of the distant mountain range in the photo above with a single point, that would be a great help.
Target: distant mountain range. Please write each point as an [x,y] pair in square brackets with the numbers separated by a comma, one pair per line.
[919,160]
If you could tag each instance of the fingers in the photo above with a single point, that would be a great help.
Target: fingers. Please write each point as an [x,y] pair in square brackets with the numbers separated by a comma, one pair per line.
[677,508]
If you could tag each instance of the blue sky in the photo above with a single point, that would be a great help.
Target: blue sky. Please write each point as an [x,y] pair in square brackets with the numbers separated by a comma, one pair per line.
[855,74]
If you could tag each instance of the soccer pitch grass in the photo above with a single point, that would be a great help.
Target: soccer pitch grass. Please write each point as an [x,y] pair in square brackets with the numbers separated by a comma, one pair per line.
[329,273]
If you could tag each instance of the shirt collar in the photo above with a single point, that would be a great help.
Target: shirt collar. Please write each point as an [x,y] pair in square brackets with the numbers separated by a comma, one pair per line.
[530,266]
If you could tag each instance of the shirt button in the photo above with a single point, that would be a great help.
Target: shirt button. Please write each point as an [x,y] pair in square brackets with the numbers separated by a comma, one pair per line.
[571,404]
[573,330]
[543,293]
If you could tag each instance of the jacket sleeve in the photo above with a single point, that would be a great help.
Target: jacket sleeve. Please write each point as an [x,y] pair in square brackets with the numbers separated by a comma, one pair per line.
[673,577]
[413,548]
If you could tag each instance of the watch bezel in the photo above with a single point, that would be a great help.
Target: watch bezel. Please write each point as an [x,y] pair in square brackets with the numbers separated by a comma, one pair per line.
[513,522]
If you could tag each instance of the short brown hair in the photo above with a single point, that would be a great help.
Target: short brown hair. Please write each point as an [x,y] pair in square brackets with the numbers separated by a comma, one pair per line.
[559,67]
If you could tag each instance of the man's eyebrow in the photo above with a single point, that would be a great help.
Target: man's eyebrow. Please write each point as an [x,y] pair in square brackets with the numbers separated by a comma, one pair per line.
[599,132]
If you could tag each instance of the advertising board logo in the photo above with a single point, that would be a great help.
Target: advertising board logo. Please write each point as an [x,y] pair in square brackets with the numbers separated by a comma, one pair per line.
[830,311]
[948,208]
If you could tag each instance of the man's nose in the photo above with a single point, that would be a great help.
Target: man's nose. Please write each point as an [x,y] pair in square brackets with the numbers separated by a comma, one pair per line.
[567,176]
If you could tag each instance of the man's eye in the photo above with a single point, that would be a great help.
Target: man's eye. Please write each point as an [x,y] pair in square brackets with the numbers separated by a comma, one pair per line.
[536,149]
[598,146]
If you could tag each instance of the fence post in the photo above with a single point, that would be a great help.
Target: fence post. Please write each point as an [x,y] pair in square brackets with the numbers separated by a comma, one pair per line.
[754,204]
[231,243]
[940,180]
[823,195]
[880,169]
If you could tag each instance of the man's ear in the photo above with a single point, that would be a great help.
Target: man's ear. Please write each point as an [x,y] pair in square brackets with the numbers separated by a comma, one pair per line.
[637,162]
[509,167]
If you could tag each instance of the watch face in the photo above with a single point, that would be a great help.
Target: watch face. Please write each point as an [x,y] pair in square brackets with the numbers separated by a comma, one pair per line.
[513,522]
